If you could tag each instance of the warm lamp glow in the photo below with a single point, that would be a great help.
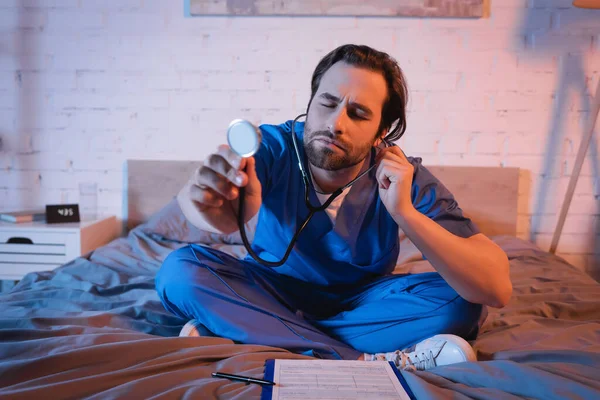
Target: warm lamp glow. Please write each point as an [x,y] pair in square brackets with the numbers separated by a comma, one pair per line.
[587,4]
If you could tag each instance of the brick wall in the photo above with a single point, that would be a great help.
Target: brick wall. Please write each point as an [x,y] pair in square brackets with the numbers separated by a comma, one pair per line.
[85,85]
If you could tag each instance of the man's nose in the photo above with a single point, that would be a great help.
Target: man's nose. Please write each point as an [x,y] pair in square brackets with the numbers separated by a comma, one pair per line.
[337,122]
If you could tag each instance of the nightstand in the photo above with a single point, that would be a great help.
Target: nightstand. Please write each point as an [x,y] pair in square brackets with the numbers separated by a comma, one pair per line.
[38,246]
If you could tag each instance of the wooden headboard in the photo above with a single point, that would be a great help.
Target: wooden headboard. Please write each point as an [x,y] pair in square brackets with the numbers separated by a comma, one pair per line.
[487,195]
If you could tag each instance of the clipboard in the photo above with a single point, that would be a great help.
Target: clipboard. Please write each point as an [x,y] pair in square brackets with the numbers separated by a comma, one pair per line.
[267,391]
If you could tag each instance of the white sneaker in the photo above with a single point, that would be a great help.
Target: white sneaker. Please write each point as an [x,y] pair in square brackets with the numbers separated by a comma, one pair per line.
[195,328]
[435,351]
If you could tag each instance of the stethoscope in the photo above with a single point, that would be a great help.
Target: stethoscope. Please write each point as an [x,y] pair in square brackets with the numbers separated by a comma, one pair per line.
[244,139]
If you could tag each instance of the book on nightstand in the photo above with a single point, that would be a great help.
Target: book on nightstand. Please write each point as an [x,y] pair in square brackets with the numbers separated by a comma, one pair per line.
[23,216]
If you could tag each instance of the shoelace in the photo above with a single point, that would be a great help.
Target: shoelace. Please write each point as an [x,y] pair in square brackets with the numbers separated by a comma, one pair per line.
[410,362]
[425,361]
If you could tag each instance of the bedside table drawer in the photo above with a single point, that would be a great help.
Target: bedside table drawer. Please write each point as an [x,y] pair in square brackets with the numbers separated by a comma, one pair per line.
[46,248]
[34,237]
[33,253]
[19,248]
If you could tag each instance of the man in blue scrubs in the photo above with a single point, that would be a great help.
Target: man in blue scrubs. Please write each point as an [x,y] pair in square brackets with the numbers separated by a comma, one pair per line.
[335,296]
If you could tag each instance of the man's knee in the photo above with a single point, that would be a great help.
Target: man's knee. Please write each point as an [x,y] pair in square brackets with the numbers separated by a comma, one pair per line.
[189,264]
[174,269]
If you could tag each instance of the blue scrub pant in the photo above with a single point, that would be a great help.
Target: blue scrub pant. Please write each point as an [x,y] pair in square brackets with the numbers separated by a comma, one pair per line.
[252,304]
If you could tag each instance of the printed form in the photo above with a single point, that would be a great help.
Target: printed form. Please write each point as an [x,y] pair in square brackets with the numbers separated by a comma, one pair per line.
[336,379]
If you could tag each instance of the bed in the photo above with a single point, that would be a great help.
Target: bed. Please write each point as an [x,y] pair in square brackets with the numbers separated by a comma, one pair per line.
[95,328]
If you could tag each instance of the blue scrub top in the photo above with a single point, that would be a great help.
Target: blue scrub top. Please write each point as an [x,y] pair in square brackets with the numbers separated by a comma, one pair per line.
[363,243]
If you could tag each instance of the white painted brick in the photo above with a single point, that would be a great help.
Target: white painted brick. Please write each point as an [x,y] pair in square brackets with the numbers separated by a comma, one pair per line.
[416,143]
[417,102]
[48,3]
[478,121]
[498,40]
[192,27]
[48,143]
[434,82]
[112,44]
[148,63]
[6,100]
[475,24]
[20,179]
[8,81]
[419,123]
[526,22]
[7,121]
[533,163]
[121,6]
[74,21]
[23,43]
[558,4]
[518,4]
[46,80]
[173,46]
[519,143]
[110,199]
[576,224]
[7,64]
[82,60]
[100,118]
[553,43]
[84,99]
[17,199]
[161,7]
[581,204]
[258,99]
[298,24]
[480,62]
[412,65]
[458,101]
[232,42]
[266,60]
[305,64]
[223,80]
[32,18]
[384,41]
[280,80]
[589,168]
[483,144]
[88,166]
[70,180]
[200,99]
[577,21]
[127,81]
[135,24]
[569,243]
[454,143]
[522,101]
[467,160]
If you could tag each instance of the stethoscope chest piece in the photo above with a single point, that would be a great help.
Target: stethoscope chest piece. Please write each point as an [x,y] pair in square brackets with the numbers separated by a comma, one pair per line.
[243,137]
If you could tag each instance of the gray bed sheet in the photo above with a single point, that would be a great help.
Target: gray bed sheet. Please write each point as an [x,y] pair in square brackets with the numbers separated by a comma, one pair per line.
[95,328]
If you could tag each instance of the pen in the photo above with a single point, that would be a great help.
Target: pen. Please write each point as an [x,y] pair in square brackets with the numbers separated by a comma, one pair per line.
[242,378]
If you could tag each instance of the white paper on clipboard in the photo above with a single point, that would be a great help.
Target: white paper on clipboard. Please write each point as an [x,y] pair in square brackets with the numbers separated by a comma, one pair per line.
[336,379]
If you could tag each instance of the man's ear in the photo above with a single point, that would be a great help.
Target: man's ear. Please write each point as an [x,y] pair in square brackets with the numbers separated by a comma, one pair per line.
[380,136]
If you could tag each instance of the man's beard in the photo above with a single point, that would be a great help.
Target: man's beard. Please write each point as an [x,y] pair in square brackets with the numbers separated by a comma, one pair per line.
[327,159]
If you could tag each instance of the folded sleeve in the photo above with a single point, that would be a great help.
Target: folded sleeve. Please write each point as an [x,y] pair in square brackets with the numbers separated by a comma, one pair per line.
[431,198]
[272,155]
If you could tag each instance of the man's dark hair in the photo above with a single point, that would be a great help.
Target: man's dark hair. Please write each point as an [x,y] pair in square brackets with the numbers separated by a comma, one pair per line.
[394,108]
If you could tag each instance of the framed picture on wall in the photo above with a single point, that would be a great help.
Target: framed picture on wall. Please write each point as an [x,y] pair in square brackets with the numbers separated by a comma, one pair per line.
[387,8]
